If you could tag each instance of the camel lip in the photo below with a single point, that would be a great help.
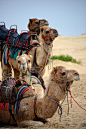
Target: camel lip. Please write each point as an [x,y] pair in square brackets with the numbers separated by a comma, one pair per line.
[76,78]
[46,24]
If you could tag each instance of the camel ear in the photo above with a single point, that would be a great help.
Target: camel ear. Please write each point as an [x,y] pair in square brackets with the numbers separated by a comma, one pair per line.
[30,20]
[54,70]
[31,57]
[17,57]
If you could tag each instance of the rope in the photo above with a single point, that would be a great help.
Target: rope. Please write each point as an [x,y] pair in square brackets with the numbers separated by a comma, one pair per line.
[59,107]
[67,103]
[75,100]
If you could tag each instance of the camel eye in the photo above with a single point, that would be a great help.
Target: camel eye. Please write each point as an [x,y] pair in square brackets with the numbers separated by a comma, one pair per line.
[47,32]
[63,73]
[18,61]
[28,61]
[36,22]
[75,74]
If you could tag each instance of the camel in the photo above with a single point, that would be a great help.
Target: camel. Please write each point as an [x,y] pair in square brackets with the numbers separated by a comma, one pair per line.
[35,24]
[24,67]
[34,110]
[41,54]
[34,27]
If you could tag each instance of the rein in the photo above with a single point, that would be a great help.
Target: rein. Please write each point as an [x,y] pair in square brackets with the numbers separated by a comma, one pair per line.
[60,108]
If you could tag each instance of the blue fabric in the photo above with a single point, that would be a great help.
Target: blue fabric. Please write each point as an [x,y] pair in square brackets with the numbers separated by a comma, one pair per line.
[5,55]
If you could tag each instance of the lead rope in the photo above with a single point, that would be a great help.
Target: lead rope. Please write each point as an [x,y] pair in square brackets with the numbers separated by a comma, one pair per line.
[51,65]
[60,113]
[30,79]
[67,100]
[60,108]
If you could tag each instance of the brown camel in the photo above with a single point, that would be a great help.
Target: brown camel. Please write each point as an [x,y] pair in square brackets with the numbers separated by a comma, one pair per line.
[41,54]
[32,110]
[35,24]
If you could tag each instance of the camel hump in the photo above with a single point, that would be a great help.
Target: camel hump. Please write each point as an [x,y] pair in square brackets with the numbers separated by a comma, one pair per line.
[38,77]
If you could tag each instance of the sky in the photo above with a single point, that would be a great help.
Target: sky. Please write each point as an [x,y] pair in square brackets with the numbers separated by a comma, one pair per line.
[67,16]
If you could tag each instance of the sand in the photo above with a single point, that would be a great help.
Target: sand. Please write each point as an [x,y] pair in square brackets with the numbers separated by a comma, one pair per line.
[75,47]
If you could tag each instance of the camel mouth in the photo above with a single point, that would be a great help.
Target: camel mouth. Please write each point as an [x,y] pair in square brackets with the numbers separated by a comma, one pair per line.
[76,78]
[69,83]
[46,24]
[56,35]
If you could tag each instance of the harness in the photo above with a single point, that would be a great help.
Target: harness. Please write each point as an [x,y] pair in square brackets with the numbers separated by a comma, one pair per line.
[37,26]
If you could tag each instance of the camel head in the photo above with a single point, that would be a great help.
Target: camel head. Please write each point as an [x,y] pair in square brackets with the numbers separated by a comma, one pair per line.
[64,77]
[35,24]
[48,34]
[24,63]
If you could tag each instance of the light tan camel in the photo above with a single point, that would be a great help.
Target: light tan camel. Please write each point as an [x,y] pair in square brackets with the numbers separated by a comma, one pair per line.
[41,55]
[32,108]
[35,24]
[24,67]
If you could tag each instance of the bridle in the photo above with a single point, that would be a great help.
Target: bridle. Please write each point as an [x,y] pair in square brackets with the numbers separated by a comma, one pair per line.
[57,81]
[37,26]
[49,38]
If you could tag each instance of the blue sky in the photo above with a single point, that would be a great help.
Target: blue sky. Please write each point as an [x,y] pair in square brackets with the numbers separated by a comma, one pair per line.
[67,16]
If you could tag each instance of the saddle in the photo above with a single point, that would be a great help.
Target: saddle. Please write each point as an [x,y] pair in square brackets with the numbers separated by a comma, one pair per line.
[13,34]
[24,39]
[3,31]
[8,91]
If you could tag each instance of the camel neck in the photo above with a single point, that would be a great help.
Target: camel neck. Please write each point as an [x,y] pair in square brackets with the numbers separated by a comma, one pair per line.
[43,53]
[46,107]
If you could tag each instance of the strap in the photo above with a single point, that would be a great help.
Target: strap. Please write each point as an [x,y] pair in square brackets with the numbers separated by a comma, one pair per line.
[35,110]
[1,51]
[11,115]
[34,60]
[36,27]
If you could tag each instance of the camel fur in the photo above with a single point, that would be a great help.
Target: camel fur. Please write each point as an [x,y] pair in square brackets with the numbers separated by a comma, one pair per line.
[42,55]
[60,79]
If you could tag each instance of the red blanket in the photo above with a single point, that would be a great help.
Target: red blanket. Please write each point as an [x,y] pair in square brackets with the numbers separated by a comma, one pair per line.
[4,106]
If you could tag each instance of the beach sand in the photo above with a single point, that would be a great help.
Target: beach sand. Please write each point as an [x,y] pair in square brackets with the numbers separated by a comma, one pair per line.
[75,47]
